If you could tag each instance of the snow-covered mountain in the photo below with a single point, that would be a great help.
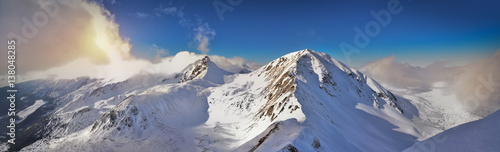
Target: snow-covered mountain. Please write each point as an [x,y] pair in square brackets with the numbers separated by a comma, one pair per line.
[73,105]
[303,101]
[306,101]
[204,69]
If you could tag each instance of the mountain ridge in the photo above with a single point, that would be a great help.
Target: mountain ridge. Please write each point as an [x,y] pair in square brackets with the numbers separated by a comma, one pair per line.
[281,90]
[304,100]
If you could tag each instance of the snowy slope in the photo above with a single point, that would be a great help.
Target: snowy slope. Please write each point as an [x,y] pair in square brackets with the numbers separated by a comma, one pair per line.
[437,111]
[481,135]
[123,116]
[29,110]
[303,101]
[153,120]
[35,116]
[324,100]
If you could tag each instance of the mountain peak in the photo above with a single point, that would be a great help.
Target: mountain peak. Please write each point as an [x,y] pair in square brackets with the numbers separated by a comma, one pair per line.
[204,69]
[301,53]
[316,90]
[292,60]
[307,66]
[205,59]
[307,50]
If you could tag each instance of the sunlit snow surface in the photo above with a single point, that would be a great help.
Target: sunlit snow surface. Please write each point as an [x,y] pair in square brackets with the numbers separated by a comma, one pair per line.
[29,110]
[481,135]
[305,101]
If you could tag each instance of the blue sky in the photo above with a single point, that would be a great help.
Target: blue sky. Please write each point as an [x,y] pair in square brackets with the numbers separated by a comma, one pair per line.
[260,31]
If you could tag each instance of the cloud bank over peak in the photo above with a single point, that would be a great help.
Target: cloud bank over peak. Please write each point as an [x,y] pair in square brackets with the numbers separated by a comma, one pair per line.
[404,75]
[80,38]
[51,33]
[475,85]
[178,62]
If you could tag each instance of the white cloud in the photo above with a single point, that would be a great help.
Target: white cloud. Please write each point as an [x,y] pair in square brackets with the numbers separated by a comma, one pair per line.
[63,31]
[124,69]
[177,63]
[234,64]
[476,85]
[81,38]
[404,75]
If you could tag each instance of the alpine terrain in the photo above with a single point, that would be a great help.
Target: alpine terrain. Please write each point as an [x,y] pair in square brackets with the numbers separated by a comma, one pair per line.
[303,101]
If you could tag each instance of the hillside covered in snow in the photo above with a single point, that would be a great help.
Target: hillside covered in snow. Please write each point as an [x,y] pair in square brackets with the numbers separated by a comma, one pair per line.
[481,135]
[302,101]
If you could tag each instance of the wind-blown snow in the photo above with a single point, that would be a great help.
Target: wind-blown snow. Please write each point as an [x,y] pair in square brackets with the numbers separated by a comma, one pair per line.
[29,110]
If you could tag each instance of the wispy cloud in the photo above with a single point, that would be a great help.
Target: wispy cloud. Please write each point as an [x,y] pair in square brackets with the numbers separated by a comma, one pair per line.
[140,15]
[310,34]
[203,34]
[101,2]
[174,12]
[169,10]
[160,53]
